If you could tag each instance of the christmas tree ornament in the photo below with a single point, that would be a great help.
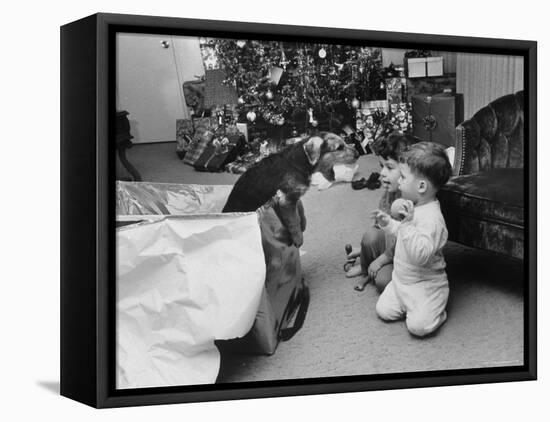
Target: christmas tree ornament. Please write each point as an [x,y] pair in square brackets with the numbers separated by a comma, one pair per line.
[269,95]
[275,74]
[251,116]
[355,103]
[283,62]
[322,53]
[310,112]
[241,43]
[241,100]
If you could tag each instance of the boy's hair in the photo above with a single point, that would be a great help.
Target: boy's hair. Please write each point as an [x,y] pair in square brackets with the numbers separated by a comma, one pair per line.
[393,145]
[429,160]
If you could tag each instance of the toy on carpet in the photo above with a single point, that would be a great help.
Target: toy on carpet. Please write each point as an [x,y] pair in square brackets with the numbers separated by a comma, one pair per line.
[372,183]
[351,261]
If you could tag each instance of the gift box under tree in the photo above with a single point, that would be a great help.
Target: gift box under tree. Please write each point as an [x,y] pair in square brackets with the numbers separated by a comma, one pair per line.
[396,90]
[370,119]
[435,117]
[193,134]
[219,152]
[378,118]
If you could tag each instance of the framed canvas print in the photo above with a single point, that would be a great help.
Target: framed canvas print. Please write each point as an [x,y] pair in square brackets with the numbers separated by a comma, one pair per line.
[253,210]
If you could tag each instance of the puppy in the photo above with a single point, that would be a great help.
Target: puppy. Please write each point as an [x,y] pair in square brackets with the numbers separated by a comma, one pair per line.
[284,177]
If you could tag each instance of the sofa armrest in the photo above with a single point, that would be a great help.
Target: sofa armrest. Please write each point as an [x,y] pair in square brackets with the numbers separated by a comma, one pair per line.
[471,153]
[460,149]
[492,138]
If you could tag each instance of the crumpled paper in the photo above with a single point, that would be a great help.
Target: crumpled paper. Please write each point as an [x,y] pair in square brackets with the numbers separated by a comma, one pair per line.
[144,198]
[182,282]
[342,173]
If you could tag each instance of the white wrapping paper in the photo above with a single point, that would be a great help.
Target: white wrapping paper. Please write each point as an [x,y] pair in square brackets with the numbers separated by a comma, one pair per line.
[182,282]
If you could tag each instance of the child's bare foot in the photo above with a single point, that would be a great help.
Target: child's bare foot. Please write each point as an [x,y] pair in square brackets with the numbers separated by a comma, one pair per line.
[360,286]
[355,252]
[354,272]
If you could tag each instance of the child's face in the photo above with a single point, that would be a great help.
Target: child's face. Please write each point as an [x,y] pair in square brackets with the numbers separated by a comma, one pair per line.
[409,183]
[389,175]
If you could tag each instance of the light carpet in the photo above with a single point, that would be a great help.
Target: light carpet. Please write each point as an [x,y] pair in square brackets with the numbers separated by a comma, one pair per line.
[342,334]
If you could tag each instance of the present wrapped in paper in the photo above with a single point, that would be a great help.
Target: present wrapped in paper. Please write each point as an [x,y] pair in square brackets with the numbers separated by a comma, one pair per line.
[184,136]
[396,90]
[188,275]
[173,299]
[421,67]
[401,117]
[371,119]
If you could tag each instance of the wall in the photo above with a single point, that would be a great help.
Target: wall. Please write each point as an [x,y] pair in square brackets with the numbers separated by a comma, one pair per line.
[188,58]
[150,79]
[483,78]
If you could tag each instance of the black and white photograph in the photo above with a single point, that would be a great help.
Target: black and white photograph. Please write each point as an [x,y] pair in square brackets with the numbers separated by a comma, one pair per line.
[296,210]
[250,211]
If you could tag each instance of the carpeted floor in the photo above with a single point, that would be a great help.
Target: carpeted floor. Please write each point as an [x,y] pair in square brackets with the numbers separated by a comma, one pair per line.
[342,334]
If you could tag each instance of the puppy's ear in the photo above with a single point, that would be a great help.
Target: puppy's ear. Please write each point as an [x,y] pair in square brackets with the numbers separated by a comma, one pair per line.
[313,149]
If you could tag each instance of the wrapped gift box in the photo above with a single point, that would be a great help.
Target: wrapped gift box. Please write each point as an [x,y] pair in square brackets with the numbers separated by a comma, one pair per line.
[184,136]
[244,162]
[435,117]
[378,121]
[370,119]
[189,130]
[416,67]
[401,117]
[430,86]
[434,66]
[421,67]
[395,90]
[219,152]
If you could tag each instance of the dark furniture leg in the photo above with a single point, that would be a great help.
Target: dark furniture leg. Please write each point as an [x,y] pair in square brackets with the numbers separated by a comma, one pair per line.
[121,148]
[123,142]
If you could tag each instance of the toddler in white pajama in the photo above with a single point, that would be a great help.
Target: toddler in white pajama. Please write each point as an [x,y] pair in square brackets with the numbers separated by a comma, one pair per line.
[419,289]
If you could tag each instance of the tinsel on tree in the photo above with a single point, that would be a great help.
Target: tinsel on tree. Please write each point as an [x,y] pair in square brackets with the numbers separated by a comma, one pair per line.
[284,82]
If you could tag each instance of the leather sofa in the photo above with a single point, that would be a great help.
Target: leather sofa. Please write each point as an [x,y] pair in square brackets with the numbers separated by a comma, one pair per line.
[483,203]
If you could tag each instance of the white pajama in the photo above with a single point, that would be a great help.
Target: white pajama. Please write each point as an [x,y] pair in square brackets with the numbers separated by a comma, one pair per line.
[419,288]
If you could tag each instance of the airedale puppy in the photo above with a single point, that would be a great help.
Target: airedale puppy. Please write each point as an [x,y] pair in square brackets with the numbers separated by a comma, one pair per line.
[285,176]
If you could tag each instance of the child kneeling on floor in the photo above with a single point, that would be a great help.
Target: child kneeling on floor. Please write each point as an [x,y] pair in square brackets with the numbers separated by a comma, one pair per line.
[377,248]
[419,289]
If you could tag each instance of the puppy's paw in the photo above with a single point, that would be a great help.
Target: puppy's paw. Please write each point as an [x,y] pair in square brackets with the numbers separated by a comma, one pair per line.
[301,215]
[283,236]
[297,239]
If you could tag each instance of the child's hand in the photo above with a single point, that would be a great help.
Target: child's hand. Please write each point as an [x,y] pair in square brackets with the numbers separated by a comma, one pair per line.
[380,218]
[402,210]
[374,267]
[408,211]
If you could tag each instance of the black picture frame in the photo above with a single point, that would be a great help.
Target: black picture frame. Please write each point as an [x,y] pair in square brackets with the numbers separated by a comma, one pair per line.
[87,211]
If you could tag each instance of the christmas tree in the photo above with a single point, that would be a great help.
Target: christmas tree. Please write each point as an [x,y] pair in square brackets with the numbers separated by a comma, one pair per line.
[299,84]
